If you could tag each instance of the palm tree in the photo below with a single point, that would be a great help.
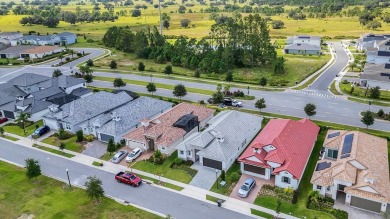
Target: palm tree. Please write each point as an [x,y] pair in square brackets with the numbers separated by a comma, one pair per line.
[352,65]
[22,118]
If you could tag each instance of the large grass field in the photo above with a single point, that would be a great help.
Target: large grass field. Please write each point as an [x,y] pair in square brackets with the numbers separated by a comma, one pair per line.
[46,198]
[199,26]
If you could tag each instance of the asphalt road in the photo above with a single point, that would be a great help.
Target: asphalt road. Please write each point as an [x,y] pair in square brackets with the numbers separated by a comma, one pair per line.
[151,197]
[94,52]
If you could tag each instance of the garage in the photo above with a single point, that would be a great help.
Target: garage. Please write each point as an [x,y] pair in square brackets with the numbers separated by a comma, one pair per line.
[105,138]
[366,204]
[212,163]
[9,114]
[254,169]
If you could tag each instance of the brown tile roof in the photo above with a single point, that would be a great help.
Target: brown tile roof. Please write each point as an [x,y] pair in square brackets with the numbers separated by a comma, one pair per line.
[371,152]
[40,49]
[162,127]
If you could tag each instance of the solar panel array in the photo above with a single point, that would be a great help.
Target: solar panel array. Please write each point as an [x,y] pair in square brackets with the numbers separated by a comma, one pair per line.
[332,135]
[322,166]
[347,146]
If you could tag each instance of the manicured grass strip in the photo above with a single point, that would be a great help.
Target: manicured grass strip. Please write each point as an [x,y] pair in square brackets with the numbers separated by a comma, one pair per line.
[44,197]
[158,85]
[15,129]
[373,102]
[333,89]
[261,214]
[361,92]
[107,156]
[227,189]
[165,184]
[98,164]
[54,151]
[70,143]
[213,199]
[10,138]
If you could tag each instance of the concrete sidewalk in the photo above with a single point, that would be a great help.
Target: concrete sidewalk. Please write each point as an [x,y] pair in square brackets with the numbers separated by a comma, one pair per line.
[188,190]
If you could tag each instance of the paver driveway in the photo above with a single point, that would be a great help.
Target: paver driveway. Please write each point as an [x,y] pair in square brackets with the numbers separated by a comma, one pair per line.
[205,177]
[253,193]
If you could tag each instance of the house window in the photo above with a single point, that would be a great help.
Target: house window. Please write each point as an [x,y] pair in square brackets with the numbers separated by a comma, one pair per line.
[328,189]
[67,127]
[332,153]
[189,153]
[85,129]
[163,148]
[181,152]
[286,180]
[319,187]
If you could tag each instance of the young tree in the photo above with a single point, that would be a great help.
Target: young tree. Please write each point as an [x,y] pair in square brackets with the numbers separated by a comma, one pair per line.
[79,136]
[185,23]
[94,188]
[89,62]
[375,92]
[111,146]
[151,87]
[279,65]
[62,146]
[56,73]
[182,9]
[33,168]
[368,119]
[374,25]
[166,24]
[260,104]
[118,82]
[1,131]
[229,76]
[179,91]
[113,64]
[277,24]
[22,119]
[310,109]
[223,175]
[61,57]
[380,113]
[85,69]
[263,81]
[136,13]
[168,70]
[352,65]
[88,78]
[141,66]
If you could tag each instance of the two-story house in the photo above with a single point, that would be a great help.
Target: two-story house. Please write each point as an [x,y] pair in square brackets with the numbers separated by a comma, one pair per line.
[354,168]
[368,40]
[282,149]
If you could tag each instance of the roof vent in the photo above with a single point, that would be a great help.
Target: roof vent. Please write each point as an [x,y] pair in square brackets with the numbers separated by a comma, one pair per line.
[145,122]
[369,180]
[116,117]
[53,108]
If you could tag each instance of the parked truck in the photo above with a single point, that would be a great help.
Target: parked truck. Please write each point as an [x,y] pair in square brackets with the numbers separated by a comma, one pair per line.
[128,178]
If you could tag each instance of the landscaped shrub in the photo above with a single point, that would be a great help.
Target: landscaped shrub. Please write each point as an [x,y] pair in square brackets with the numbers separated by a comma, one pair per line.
[177,161]
[235,177]
[123,142]
[79,136]
[295,197]
[344,81]
[62,134]
[157,157]
[118,145]
[89,138]
[325,204]
[223,175]
[67,59]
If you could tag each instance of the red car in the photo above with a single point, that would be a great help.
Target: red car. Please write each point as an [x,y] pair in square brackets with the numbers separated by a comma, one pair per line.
[128,178]
[3,120]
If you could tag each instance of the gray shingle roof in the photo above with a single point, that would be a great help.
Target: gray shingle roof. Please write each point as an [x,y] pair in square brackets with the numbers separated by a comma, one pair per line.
[28,79]
[303,46]
[81,91]
[132,113]
[34,105]
[377,72]
[16,49]
[307,37]
[235,127]
[39,38]
[67,81]
[44,93]
[89,107]
[65,34]
[8,33]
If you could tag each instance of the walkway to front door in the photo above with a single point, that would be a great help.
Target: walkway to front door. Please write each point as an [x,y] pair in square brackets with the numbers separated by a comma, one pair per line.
[205,178]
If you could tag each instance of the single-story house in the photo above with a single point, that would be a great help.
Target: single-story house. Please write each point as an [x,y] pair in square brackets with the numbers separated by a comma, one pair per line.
[6,37]
[40,52]
[42,40]
[15,51]
[104,115]
[33,93]
[376,56]
[305,39]
[67,38]
[282,149]
[167,130]
[224,139]
[302,48]
[376,75]
[368,40]
[354,165]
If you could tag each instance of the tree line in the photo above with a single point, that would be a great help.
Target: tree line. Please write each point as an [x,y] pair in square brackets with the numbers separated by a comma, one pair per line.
[237,42]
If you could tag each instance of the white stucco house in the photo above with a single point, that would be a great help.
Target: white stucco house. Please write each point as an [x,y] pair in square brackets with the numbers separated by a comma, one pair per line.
[282,149]
[354,168]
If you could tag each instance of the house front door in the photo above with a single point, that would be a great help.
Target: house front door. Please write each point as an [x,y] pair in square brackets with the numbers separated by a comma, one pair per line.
[150,144]
[196,155]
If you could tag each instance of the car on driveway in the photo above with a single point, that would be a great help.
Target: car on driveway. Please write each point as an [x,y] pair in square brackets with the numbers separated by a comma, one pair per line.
[248,185]
[3,120]
[128,178]
[41,131]
[133,155]
[118,156]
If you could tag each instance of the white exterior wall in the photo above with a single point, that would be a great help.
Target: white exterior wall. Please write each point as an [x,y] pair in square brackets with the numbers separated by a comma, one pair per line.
[38,115]
[70,89]
[53,124]
[267,172]
[378,59]
[382,84]
[308,41]
[279,183]
[135,144]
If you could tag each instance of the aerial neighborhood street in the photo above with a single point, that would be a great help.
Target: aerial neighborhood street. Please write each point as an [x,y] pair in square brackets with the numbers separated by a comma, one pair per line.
[115,110]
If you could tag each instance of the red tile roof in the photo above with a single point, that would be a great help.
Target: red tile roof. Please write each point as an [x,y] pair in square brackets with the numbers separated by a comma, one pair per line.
[293,140]
[162,127]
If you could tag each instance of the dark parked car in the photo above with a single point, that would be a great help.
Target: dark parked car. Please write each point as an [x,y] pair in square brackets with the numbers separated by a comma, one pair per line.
[228,101]
[3,120]
[41,131]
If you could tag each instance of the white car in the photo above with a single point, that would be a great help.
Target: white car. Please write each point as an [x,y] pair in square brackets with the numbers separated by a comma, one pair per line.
[133,155]
[236,103]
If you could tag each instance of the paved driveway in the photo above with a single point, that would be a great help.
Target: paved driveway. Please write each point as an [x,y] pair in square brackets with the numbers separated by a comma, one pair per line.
[205,178]
[95,149]
[354,212]
[253,194]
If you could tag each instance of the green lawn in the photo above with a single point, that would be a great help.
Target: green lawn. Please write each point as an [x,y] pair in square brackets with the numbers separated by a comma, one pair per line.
[70,144]
[228,188]
[14,129]
[261,214]
[299,209]
[165,184]
[333,89]
[46,198]
[107,156]
[164,169]
[360,92]
[213,199]
[9,137]
[373,102]
[54,151]
[98,164]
